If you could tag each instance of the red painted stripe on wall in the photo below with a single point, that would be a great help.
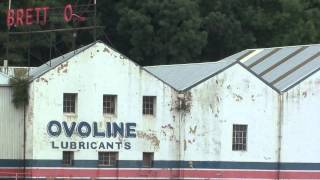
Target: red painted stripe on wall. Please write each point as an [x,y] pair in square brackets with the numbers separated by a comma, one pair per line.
[12,172]
[158,173]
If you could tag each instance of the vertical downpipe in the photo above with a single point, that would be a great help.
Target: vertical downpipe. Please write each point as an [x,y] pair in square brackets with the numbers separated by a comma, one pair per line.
[280,123]
[181,96]
[180,140]
[24,142]
[95,20]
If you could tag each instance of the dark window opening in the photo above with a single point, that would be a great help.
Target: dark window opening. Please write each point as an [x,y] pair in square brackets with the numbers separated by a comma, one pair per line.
[109,104]
[239,137]
[147,159]
[69,102]
[67,157]
[108,158]
[148,107]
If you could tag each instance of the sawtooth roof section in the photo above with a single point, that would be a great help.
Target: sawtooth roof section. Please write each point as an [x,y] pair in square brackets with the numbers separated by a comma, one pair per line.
[185,76]
[4,79]
[284,67]
[39,71]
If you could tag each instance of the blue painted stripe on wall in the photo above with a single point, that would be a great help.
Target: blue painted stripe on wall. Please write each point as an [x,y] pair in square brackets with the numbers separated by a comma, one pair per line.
[11,163]
[166,164]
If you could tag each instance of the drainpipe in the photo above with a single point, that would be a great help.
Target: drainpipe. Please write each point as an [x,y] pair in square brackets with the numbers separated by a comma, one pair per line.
[24,141]
[280,124]
[181,96]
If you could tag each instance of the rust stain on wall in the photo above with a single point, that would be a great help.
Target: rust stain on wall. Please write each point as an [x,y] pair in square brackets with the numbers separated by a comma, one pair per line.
[62,67]
[193,130]
[150,137]
[168,126]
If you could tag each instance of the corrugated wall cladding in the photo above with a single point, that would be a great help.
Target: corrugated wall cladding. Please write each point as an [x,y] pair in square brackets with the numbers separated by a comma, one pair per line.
[11,127]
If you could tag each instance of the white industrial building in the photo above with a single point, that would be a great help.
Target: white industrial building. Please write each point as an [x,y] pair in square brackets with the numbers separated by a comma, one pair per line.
[93,113]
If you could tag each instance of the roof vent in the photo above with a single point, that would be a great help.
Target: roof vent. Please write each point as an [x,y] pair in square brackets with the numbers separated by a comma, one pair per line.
[5,63]
[5,66]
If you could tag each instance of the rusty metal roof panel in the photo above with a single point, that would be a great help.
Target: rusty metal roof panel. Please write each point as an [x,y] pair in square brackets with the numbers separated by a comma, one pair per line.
[184,76]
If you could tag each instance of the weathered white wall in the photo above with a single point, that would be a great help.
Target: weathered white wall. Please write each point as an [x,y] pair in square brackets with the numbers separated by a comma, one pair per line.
[301,122]
[234,96]
[4,80]
[11,127]
[94,72]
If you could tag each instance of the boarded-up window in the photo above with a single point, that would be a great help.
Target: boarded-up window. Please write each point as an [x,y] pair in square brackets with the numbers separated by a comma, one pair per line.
[67,157]
[108,158]
[69,102]
[109,104]
[148,107]
[147,159]
[239,137]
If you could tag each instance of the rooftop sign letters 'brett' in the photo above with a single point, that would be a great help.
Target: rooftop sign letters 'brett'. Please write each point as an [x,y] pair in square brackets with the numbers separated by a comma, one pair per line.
[37,15]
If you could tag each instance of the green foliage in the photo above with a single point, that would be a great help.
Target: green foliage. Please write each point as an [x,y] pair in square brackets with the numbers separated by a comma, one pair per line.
[20,86]
[177,31]
[162,31]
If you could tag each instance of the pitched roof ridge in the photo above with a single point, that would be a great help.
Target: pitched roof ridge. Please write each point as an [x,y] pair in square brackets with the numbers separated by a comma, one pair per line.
[318,44]
[185,64]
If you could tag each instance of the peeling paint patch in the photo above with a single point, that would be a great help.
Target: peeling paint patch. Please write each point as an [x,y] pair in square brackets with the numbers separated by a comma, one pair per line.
[252,98]
[62,67]
[237,97]
[106,50]
[44,80]
[304,94]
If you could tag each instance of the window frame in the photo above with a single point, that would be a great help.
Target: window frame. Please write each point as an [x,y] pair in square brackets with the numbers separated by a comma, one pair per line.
[68,103]
[105,103]
[239,137]
[150,159]
[148,107]
[68,158]
[108,161]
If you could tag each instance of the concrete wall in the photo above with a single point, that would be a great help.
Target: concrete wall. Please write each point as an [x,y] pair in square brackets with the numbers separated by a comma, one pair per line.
[94,72]
[301,123]
[234,96]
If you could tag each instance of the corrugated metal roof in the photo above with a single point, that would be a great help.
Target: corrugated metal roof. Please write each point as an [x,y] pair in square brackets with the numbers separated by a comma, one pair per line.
[284,67]
[184,76]
[38,71]
[281,67]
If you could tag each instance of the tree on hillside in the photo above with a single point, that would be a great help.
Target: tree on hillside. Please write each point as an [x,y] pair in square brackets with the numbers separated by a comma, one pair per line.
[162,31]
